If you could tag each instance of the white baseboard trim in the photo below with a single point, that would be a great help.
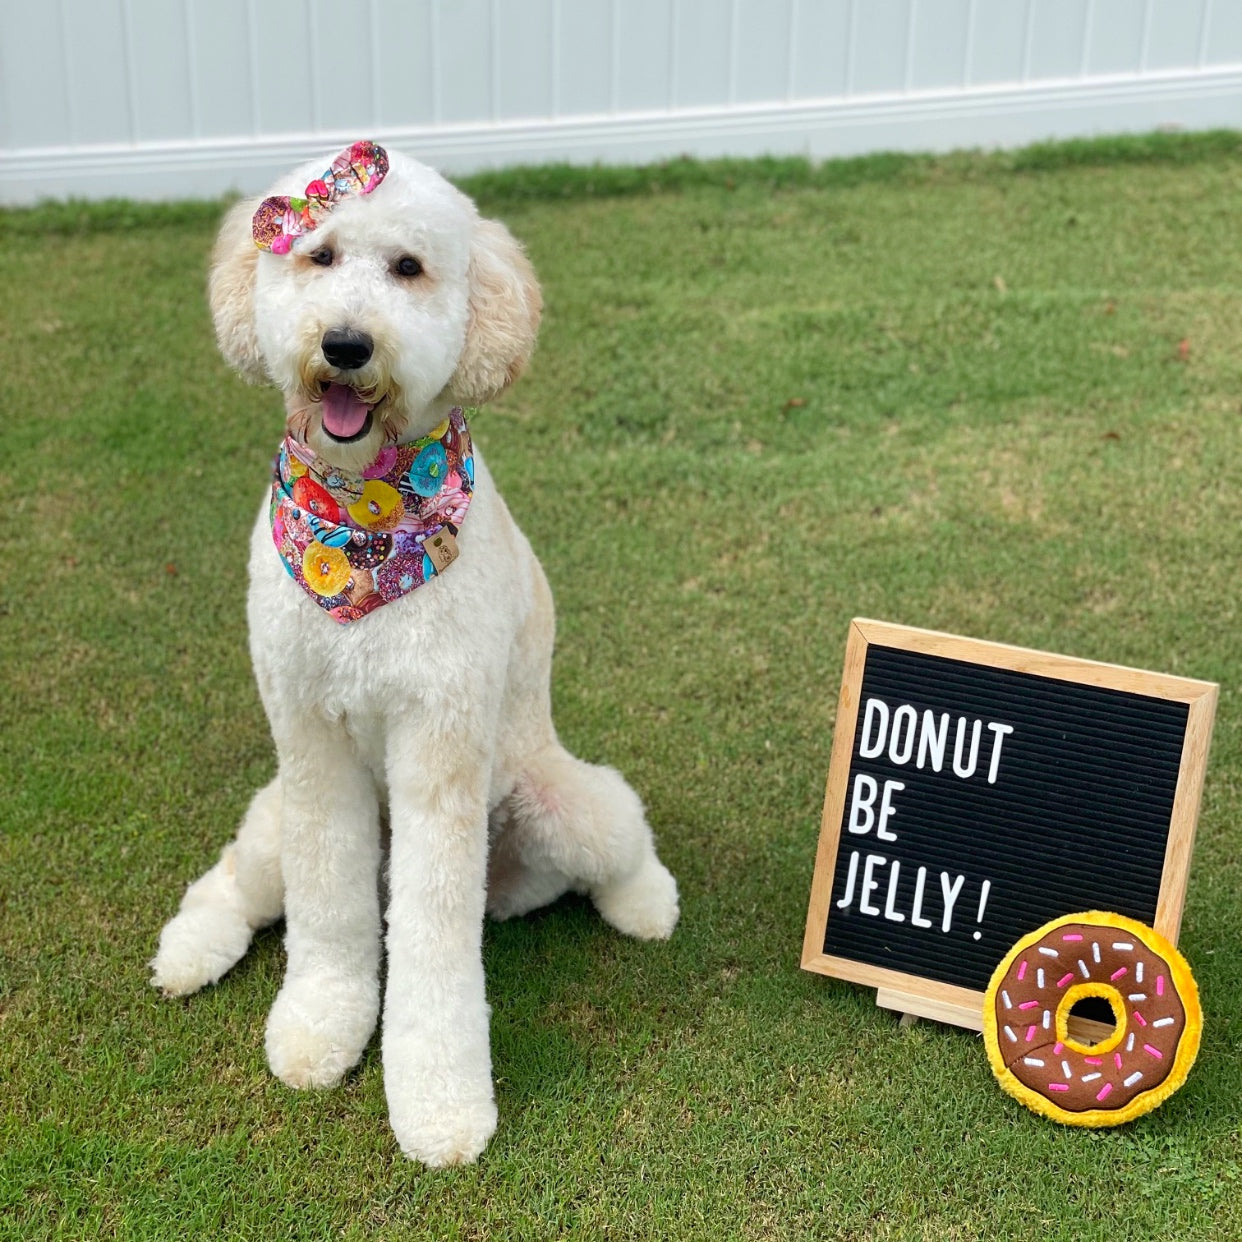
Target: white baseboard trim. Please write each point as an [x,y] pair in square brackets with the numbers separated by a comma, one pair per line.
[942,120]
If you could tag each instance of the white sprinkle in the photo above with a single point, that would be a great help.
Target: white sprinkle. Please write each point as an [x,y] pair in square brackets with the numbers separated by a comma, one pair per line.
[1032,1061]
[1163,1022]
[1091,1077]
[1047,952]
[1005,998]
[1047,1019]
[1095,950]
[1136,996]
[1039,976]
[1086,973]
[1129,1082]
[1124,945]
[1065,1069]
[1009,1032]
[1130,1043]
[1138,972]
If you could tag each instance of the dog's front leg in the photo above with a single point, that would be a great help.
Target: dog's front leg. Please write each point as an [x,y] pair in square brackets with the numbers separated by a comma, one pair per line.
[437,1058]
[329,855]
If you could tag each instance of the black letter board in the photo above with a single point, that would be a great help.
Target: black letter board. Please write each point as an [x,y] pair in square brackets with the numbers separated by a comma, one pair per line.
[977,791]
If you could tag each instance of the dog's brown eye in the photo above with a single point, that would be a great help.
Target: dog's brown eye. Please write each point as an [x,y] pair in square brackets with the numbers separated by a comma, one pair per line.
[322,257]
[408,265]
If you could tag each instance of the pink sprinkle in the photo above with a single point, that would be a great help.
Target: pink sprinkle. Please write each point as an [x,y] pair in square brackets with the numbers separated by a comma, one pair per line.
[1094,1060]
[1021,970]
[1104,1090]
[1117,1059]
[1159,985]
[1071,937]
[1061,982]
[1142,1021]
[1030,1031]
[1057,1049]
[1029,1005]
[1155,1052]
[1121,970]
[1058,1086]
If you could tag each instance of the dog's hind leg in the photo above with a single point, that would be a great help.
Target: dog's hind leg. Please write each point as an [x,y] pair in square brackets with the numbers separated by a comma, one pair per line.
[571,824]
[519,876]
[222,909]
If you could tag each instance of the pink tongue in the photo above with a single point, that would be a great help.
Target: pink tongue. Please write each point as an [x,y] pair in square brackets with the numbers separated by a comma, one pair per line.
[344,411]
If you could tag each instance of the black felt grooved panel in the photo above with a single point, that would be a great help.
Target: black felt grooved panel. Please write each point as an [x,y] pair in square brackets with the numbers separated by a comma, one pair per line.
[1077,817]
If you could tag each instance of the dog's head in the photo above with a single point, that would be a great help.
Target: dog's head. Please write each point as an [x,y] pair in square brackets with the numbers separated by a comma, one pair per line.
[398,303]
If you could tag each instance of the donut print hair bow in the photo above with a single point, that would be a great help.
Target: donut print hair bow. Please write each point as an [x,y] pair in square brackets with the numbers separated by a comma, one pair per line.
[279,220]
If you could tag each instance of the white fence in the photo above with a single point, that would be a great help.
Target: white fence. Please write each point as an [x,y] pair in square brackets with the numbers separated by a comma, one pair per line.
[183,98]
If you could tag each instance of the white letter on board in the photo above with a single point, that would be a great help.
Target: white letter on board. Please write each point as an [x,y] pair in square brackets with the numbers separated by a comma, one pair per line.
[1000,730]
[964,772]
[865,790]
[950,897]
[901,748]
[869,884]
[931,743]
[890,911]
[916,911]
[866,748]
[844,903]
[888,810]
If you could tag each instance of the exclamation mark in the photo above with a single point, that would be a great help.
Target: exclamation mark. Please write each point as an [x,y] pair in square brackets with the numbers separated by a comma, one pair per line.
[983,903]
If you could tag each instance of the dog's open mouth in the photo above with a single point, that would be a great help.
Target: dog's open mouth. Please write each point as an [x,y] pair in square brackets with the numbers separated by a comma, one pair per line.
[345,411]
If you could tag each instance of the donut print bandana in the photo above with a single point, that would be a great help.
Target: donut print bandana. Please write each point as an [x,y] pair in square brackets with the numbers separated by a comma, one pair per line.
[1126,1069]
[356,542]
[280,220]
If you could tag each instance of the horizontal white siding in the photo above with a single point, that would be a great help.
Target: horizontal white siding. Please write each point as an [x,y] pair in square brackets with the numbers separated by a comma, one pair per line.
[160,98]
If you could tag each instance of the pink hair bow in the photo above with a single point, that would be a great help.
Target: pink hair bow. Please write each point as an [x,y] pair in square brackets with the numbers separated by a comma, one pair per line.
[357,170]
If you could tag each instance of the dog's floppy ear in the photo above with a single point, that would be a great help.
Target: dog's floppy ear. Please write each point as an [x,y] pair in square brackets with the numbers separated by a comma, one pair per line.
[505,305]
[230,290]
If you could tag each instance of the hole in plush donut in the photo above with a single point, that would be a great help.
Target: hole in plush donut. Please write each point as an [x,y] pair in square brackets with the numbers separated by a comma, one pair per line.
[1094,1009]
[1085,1028]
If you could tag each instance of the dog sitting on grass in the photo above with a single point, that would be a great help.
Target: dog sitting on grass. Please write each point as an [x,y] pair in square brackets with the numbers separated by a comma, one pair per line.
[401,632]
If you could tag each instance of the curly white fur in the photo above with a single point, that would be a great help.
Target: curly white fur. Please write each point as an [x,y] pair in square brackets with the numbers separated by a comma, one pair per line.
[435,707]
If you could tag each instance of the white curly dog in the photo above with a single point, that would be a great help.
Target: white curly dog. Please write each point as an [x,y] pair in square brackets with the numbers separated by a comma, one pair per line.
[431,713]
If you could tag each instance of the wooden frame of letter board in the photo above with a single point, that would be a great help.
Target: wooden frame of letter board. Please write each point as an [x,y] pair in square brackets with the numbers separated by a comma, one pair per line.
[930,998]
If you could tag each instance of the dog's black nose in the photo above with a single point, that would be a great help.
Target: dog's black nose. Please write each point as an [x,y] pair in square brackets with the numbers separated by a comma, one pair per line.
[346,349]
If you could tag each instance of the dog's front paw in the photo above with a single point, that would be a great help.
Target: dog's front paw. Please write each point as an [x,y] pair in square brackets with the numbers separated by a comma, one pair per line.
[442,1130]
[440,1104]
[318,1028]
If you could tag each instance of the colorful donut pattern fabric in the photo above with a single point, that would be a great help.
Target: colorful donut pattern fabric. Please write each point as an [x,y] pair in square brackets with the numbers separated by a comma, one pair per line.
[280,220]
[356,542]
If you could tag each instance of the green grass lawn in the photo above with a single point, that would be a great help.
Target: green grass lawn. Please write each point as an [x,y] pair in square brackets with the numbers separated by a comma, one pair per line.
[999,396]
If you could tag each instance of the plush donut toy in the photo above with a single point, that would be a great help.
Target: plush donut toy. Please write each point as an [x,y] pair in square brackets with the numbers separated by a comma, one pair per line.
[1155,1005]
